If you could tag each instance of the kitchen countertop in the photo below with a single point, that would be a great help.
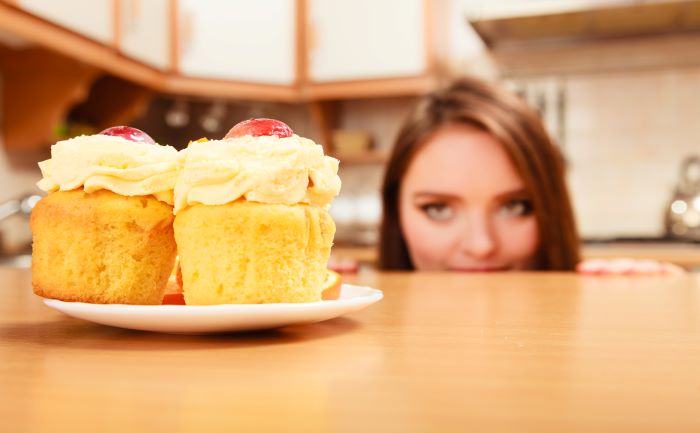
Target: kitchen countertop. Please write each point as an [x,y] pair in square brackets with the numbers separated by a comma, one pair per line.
[442,352]
[685,254]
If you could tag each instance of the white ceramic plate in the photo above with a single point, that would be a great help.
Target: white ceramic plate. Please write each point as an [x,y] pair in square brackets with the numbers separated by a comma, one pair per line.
[196,319]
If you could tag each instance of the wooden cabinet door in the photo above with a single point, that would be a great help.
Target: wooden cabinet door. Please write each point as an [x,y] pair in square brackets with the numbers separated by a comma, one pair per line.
[93,18]
[238,40]
[145,31]
[366,39]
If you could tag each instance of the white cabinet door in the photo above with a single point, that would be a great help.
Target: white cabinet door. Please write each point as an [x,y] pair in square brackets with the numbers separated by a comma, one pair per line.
[93,18]
[366,39]
[145,31]
[238,40]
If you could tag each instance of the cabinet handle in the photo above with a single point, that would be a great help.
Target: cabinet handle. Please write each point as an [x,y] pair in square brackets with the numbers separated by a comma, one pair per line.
[185,32]
[135,10]
[311,39]
[131,15]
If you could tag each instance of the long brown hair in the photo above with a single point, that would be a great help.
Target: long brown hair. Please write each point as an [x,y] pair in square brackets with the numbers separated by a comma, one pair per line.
[520,131]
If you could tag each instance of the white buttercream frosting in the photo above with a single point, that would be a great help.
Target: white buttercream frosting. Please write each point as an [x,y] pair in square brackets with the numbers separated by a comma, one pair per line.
[265,169]
[125,167]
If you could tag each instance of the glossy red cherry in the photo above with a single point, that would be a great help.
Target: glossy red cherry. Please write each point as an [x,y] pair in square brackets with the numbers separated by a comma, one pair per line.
[258,127]
[131,134]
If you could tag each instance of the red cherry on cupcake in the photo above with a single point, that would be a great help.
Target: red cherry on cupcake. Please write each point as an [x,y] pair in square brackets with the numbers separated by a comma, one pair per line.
[131,134]
[258,127]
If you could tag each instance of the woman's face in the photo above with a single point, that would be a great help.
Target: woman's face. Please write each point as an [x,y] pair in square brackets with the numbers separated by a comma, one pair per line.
[463,207]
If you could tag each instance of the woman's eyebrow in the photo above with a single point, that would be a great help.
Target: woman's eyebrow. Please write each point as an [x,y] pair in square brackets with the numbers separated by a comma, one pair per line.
[518,192]
[434,195]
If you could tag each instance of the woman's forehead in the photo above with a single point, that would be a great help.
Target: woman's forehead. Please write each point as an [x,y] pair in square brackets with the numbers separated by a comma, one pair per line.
[461,158]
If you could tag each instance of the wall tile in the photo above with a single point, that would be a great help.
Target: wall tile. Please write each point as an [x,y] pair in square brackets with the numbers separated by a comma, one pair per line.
[627,135]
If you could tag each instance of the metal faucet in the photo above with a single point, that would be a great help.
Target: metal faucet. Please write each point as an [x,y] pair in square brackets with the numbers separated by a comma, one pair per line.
[15,237]
[22,205]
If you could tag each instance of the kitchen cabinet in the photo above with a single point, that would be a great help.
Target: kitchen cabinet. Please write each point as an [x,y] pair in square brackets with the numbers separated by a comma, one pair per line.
[238,40]
[33,101]
[94,18]
[365,49]
[283,50]
[312,51]
[342,40]
[145,31]
[366,39]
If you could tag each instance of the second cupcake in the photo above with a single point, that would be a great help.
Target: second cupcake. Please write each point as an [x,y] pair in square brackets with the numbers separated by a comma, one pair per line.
[251,216]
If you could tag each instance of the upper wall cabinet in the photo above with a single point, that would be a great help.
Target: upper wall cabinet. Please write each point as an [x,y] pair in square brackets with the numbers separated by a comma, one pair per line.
[94,18]
[366,39]
[145,31]
[238,40]
[284,50]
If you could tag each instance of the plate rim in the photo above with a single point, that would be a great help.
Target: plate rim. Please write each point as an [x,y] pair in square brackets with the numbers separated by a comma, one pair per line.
[221,318]
[362,298]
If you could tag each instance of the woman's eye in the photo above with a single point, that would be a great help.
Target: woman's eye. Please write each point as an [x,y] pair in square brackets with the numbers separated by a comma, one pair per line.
[437,211]
[519,207]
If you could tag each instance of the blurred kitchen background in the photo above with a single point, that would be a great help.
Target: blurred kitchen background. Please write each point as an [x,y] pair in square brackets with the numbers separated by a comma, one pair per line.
[617,82]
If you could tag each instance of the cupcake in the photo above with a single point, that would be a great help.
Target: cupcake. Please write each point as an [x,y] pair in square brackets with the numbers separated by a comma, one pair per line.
[104,232]
[251,216]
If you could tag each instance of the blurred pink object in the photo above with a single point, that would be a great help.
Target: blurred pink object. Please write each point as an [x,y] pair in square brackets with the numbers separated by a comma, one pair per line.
[626,266]
[343,265]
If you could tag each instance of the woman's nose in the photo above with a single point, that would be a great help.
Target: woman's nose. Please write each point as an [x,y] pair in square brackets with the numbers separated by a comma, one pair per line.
[478,239]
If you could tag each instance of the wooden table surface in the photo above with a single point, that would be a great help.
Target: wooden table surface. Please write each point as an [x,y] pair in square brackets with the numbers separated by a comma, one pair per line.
[540,352]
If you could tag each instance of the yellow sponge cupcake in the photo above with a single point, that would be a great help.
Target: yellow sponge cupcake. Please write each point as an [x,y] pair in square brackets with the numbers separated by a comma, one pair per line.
[104,232]
[252,222]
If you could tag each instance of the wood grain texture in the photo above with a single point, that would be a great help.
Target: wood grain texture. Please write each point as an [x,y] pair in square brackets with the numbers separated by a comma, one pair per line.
[544,352]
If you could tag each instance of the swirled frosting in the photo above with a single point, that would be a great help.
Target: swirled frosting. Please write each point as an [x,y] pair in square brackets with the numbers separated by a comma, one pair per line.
[265,169]
[125,167]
